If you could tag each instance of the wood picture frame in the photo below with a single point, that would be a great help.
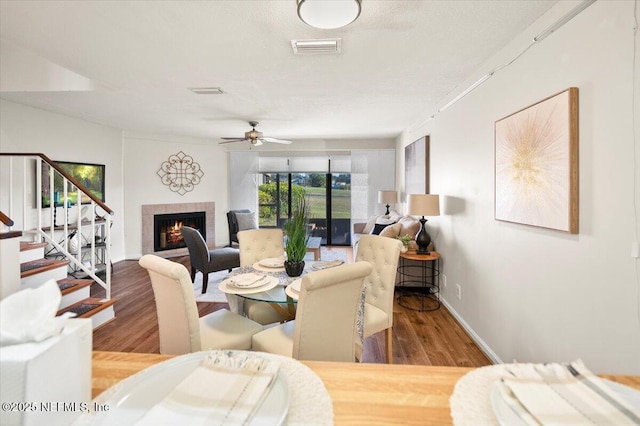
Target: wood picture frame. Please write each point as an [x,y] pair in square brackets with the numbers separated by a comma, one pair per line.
[536,164]
[416,167]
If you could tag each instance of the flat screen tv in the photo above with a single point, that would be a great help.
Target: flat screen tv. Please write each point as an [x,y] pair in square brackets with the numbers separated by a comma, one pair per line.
[91,176]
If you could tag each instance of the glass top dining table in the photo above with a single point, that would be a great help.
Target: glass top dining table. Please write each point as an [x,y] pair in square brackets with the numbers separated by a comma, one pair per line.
[276,294]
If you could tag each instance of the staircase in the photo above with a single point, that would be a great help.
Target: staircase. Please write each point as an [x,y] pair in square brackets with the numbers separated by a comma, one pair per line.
[76,292]
[43,250]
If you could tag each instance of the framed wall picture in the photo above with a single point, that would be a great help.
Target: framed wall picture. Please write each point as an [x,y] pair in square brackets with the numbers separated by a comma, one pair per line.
[416,167]
[536,164]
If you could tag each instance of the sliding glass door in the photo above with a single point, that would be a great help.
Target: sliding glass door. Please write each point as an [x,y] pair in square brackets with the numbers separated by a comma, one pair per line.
[329,197]
[273,200]
[339,208]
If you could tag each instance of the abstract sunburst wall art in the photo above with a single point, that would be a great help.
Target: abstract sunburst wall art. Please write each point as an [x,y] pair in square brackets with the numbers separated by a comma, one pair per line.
[180,173]
[536,164]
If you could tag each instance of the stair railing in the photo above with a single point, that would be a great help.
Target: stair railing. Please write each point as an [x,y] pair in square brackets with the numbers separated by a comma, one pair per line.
[16,195]
[6,220]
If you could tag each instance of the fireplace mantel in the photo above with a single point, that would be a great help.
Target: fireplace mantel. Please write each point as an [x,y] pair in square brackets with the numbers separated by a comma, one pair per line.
[149,210]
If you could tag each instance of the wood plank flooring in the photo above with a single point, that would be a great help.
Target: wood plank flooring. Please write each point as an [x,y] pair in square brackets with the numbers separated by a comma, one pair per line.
[423,338]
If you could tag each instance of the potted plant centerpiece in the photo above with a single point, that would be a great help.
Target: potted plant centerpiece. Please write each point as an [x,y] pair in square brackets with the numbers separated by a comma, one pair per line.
[296,238]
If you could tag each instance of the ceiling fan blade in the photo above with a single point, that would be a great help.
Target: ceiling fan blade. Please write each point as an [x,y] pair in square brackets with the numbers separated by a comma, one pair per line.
[274,140]
[258,142]
[235,139]
[230,140]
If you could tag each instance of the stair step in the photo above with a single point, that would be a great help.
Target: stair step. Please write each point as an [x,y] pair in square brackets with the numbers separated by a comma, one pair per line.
[99,310]
[73,291]
[69,285]
[34,267]
[31,251]
[34,273]
[25,245]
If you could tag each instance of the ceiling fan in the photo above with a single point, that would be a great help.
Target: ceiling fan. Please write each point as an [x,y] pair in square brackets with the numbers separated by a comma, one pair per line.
[255,137]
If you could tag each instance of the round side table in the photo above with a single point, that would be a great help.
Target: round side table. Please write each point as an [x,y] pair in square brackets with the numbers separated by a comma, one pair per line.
[422,280]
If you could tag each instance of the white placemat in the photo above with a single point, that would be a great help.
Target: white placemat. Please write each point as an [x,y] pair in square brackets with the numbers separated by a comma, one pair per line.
[471,399]
[471,402]
[310,403]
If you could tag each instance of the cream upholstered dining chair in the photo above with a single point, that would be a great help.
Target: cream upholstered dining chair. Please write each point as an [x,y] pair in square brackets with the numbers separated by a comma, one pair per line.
[383,254]
[255,245]
[325,327]
[181,331]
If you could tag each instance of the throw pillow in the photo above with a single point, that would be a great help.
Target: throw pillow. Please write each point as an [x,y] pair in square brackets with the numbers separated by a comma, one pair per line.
[395,216]
[369,226]
[391,231]
[409,227]
[246,221]
[378,227]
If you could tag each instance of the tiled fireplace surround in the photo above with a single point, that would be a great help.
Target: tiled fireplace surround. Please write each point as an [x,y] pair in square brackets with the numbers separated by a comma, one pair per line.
[149,210]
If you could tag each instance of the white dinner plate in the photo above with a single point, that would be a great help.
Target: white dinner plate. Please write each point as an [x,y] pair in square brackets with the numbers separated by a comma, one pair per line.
[272,262]
[507,416]
[131,398]
[318,266]
[293,289]
[270,282]
[258,267]
[296,285]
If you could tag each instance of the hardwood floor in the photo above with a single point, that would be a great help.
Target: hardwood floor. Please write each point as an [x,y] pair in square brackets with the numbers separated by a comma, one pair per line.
[424,338]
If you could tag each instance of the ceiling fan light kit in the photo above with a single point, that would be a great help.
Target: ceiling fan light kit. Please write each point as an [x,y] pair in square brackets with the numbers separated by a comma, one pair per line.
[329,14]
[255,137]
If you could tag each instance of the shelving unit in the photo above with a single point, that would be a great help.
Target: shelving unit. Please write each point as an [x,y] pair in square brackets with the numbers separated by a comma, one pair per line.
[100,245]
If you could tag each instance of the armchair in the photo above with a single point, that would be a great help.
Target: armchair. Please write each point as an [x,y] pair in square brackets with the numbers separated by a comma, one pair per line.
[233,224]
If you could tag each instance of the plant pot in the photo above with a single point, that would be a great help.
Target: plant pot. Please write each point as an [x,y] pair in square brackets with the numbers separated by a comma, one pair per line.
[294,269]
[404,249]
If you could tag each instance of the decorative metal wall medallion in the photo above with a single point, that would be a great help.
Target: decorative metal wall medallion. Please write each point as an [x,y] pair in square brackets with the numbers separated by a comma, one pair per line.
[180,173]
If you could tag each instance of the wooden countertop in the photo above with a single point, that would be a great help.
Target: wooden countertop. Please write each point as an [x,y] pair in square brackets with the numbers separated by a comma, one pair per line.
[372,394]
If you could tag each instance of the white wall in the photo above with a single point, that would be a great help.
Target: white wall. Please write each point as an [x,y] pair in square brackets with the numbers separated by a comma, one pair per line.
[143,156]
[63,138]
[532,294]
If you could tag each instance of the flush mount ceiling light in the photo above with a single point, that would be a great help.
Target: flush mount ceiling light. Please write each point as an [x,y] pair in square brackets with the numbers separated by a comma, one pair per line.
[328,14]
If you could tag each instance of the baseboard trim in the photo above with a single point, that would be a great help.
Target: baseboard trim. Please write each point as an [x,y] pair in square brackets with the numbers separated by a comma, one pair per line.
[474,336]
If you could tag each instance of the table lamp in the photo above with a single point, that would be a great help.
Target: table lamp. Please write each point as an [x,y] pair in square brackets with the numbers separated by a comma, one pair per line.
[388,198]
[424,205]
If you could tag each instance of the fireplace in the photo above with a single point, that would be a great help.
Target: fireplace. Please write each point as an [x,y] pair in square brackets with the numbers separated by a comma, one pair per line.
[208,228]
[166,229]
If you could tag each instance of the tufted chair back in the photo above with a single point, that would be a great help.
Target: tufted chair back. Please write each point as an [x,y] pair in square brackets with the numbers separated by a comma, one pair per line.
[180,328]
[383,254]
[178,324]
[326,324]
[258,244]
[255,245]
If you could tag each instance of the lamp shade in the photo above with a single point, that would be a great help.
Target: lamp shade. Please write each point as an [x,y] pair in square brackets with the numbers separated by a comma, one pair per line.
[328,14]
[424,204]
[387,197]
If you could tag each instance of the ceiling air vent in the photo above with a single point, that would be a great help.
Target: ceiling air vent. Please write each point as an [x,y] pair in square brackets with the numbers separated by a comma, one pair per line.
[304,47]
[207,90]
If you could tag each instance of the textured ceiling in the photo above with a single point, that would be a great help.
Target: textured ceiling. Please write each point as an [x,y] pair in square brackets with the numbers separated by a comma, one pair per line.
[399,61]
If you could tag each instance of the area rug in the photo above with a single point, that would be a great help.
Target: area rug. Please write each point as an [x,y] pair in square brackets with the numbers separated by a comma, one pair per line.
[215,278]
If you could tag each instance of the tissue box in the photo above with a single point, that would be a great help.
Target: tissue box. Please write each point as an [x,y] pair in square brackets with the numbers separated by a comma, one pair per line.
[47,382]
